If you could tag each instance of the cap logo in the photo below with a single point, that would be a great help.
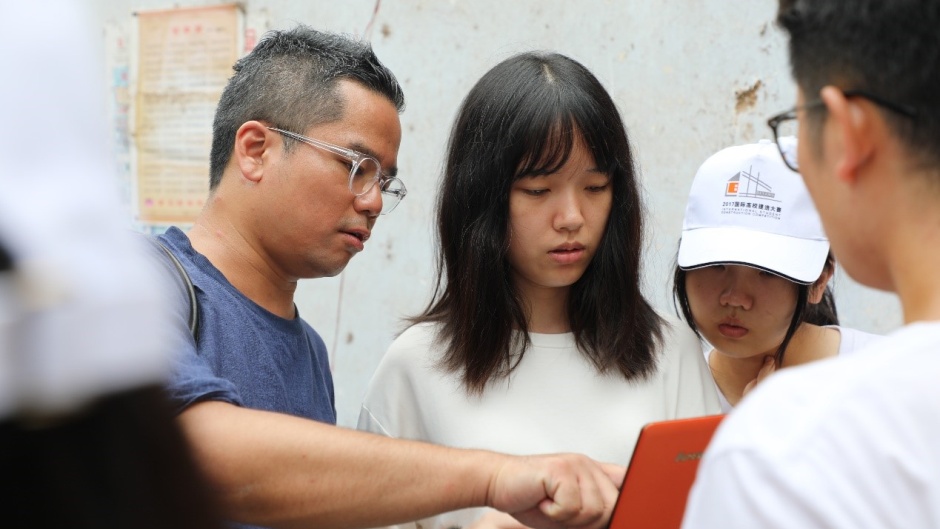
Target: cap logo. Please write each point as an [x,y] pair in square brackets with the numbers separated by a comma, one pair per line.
[753,187]
[752,196]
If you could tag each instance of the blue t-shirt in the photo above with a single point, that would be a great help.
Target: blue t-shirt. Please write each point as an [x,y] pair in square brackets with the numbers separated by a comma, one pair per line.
[246,355]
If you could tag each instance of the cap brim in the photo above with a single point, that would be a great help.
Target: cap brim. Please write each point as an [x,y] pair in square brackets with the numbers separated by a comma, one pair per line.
[796,259]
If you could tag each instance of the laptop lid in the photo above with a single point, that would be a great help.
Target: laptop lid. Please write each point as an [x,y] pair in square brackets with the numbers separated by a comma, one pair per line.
[661,473]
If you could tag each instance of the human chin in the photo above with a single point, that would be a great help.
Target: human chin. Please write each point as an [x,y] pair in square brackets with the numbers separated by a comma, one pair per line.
[727,346]
[329,268]
[573,275]
[733,349]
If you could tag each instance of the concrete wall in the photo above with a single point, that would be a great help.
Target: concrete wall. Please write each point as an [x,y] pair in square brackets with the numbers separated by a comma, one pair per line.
[690,77]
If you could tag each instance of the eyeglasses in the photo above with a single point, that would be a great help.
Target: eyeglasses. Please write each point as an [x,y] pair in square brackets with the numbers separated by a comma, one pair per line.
[364,171]
[785,124]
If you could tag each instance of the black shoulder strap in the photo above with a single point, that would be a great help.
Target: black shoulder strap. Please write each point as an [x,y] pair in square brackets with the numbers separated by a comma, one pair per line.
[190,290]
[6,262]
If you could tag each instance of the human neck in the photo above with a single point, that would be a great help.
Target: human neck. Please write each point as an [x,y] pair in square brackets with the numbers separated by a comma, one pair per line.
[230,251]
[809,343]
[913,258]
[732,374]
[904,232]
[547,310]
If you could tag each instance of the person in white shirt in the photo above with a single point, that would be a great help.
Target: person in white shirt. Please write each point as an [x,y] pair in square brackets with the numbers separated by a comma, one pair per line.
[538,337]
[753,270]
[852,443]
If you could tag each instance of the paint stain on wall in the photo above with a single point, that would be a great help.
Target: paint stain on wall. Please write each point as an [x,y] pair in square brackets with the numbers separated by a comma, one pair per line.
[349,338]
[746,98]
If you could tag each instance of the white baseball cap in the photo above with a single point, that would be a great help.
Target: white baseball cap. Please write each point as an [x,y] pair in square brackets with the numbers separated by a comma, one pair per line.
[746,207]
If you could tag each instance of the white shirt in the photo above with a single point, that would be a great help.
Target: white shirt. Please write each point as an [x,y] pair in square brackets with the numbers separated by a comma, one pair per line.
[554,401]
[839,443]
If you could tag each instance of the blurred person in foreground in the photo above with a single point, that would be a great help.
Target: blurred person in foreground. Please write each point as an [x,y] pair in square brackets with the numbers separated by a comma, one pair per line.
[851,442]
[87,434]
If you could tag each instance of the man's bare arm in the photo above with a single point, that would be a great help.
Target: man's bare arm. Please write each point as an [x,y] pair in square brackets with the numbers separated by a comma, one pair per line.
[283,471]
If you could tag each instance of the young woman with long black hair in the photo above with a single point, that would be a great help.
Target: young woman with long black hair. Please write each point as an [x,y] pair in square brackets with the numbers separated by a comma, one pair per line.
[538,338]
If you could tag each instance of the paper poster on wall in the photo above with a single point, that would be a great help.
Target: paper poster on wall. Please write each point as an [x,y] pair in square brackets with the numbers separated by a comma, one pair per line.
[117,66]
[184,59]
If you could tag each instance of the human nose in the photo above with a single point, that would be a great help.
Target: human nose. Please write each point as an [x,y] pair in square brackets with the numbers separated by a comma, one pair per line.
[736,293]
[369,202]
[569,216]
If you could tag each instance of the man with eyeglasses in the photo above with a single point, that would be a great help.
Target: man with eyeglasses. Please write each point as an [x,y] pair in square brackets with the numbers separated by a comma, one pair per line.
[303,162]
[852,442]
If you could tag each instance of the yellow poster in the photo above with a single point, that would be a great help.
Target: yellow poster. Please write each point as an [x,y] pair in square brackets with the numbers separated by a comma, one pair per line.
[184,59]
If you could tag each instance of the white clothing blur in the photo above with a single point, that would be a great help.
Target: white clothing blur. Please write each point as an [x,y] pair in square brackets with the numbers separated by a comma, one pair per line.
[841,443]
[83,312]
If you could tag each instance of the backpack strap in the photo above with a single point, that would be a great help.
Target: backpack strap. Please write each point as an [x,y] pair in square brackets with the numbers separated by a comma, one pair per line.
[190,290]
[6,261]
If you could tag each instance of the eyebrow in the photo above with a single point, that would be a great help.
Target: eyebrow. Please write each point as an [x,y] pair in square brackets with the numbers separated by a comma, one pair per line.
[364,149]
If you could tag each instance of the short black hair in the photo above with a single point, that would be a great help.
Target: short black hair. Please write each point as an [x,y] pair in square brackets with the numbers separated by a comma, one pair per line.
[889,48]
[289,81]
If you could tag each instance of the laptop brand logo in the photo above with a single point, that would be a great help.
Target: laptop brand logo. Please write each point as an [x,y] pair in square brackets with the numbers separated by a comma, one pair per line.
[688,456]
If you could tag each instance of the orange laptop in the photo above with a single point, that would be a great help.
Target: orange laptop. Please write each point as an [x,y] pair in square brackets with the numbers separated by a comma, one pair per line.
[661,473]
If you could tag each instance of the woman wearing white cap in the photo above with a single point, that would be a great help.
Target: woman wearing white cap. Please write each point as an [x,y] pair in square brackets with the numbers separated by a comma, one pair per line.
[753,271]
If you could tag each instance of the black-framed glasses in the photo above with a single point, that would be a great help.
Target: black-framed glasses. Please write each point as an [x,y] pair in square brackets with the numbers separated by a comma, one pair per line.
[364,171]
[785,124]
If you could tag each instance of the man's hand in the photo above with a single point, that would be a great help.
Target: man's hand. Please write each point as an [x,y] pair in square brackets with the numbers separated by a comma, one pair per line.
[556,491]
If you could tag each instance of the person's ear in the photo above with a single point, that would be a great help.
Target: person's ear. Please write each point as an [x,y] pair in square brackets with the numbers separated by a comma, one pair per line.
[252,143]
[852,122]
[817,289]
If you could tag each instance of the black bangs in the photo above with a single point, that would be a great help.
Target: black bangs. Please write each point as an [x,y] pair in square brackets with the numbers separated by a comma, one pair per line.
[527,113]
[548,153]
[557,116]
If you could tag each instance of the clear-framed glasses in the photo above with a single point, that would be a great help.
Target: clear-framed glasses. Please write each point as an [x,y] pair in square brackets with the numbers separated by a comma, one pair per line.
[785,124]
[364,171]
